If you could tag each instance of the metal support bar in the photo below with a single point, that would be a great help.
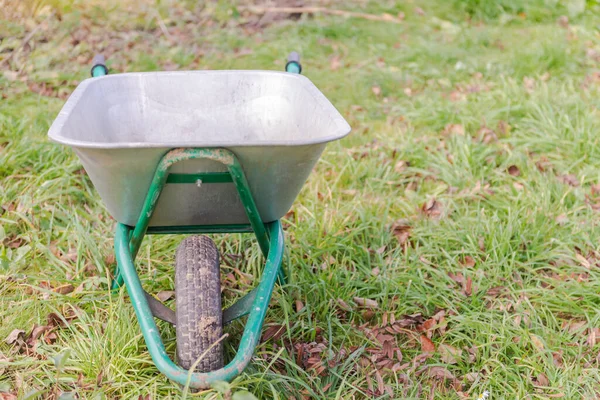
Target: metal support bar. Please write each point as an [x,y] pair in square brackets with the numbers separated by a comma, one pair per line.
[241,228]
[159,310]
[206,177]
[240,308]
[251,334]
[160,177]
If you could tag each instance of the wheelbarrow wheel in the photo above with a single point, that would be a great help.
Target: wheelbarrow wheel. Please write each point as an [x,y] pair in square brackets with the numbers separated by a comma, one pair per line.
[198,304]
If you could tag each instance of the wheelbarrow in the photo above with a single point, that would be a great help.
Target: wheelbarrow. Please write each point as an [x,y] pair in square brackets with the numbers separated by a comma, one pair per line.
[198,152]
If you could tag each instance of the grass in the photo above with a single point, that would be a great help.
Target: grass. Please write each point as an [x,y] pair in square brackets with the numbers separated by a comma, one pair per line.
[474,124]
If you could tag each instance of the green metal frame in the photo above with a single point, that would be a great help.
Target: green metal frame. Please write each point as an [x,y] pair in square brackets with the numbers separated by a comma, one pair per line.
[254,304]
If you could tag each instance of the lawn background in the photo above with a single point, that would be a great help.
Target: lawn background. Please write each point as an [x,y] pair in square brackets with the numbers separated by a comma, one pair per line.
[464,203]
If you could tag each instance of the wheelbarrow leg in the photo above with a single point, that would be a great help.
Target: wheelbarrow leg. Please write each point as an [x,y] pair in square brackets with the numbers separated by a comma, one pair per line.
[281,276]
[250,337]
[117,280]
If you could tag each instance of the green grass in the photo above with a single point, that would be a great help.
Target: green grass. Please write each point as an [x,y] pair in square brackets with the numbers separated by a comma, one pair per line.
[442,107]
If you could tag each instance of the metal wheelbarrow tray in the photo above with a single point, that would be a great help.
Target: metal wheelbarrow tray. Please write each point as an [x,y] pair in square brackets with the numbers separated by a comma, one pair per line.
[120,126]
[198,152]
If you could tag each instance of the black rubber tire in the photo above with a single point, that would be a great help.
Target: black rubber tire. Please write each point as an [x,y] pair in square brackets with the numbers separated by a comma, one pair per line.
[198,304]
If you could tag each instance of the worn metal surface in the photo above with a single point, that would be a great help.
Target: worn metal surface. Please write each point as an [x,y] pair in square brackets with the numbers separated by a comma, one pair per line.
[156,191]
[120,126]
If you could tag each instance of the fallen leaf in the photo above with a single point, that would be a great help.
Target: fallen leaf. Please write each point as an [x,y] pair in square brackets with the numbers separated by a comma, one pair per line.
[36,332]
[584,261]
[593,336]
[449,354]
[472,376]
[563,21]
[528,84]
[537,342]
[439,373]
[572,326]
[454,129]
[481,243]
[165,295]
[367,303]
[273,332]
[7,396]
[503,127]
[335,63]
[299,306]
[545,77]
[376,90]
[562,219]
[557,358]
[402,165]
[486,135]
[570,180]
[542,380]
[514,170]
[401,229]
[15,335]
[468,262]
[468,286]
[419,11]
[343,305]
[64,289]
[428,325]
[56,320]
[432,208]
[427,345]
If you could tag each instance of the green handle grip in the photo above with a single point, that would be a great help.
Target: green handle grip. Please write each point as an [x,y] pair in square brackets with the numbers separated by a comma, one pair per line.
[293,63]
[99,66]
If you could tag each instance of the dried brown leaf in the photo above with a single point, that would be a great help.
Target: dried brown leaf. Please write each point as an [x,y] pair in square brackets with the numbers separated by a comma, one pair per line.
[584,261]
[366,303]
[468,286]
[432,208]
[449,354]
[468,262]
[343,305]
[440,373]
[401,230]
[273,332]
[472,376]
[563,21]
[562,219]
[541,380]
[15,335]
[165,295]
[64,289]
[503,128]
[453,129]
[514,170]
[335,63]
[570,180]
[529,84]
[427,345]
[537,342]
